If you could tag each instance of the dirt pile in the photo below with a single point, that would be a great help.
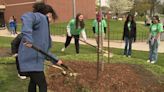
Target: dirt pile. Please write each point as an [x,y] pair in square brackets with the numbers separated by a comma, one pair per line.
[114,78]
[5,52]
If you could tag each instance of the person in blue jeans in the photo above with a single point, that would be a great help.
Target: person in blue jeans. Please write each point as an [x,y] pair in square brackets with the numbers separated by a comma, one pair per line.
[12,25]
[154,39]
[129,34]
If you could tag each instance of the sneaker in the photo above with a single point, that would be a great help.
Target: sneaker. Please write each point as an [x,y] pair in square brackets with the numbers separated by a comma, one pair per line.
[124,55]
[148,61]
[152,62]
[63,49]
[129,56]
[22,77]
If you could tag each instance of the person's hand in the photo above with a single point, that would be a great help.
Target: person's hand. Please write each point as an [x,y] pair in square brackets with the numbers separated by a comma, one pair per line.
[15,55]
[147,42]
[95,35]
[134,40]
[69,34]
[123,38]
[152,41]
[84,39]
[156,38]
[59,62]
[27,44]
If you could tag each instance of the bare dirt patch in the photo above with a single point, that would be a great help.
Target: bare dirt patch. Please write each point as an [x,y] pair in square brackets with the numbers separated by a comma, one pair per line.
[4,52]
[115,78]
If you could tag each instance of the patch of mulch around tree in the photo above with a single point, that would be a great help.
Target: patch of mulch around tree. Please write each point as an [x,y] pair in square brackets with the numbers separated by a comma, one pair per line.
[114,78]
[5,52]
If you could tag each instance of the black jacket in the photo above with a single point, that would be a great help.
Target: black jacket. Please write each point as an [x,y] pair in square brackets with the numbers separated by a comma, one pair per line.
[130,33]
[15,43]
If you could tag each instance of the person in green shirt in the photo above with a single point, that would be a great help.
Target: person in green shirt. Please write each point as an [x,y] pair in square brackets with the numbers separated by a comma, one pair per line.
[74,28]
[154,39]
[101,32]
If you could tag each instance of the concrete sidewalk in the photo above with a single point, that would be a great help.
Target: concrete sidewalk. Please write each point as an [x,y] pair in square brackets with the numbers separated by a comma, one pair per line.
[142,46]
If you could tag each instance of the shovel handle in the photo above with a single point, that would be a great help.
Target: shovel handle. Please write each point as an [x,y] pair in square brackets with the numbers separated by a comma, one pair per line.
[64,66]
[46,54]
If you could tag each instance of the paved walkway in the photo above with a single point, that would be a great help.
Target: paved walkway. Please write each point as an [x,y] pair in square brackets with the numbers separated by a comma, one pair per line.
[142,46]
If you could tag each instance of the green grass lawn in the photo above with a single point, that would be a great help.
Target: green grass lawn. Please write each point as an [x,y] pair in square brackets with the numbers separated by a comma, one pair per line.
[116,29]
[9,82]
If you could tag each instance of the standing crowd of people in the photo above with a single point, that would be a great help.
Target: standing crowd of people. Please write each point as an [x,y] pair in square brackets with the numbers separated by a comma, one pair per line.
[130,34]
[36,31]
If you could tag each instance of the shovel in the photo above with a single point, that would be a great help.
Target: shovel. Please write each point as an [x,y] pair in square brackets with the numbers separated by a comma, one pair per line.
[65,69]
[104,51]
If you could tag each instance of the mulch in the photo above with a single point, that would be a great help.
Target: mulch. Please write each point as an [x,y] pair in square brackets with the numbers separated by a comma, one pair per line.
[114,78]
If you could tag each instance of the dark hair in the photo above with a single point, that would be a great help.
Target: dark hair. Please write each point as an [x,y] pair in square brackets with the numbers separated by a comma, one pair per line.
[157,18]
[127,19]
[14,18]
[51,10]
[44,9]
[39,7]
[77,21]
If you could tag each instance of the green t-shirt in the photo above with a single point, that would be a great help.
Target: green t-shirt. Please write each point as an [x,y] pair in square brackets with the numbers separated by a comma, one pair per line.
[129,24]
[73,30]
[156,28]
[102,24]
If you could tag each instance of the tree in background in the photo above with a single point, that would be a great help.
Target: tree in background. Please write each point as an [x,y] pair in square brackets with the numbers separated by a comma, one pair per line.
[147,7]
[154,4]
[121,6]
[160,8]
[141,7]
[104,5]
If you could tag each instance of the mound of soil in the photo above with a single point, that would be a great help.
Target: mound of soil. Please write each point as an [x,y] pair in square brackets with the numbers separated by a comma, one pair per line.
[114,78]
[5,52]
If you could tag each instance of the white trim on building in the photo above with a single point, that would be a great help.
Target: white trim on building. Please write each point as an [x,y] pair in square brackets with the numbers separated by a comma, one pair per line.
[2,6]
[25,3]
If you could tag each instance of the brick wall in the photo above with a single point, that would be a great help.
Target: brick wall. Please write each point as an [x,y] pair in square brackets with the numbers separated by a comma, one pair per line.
[17,8]
[65,11]
[63,8]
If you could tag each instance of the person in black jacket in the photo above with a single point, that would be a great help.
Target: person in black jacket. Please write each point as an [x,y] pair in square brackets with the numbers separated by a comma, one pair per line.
[14,50]
[129,34]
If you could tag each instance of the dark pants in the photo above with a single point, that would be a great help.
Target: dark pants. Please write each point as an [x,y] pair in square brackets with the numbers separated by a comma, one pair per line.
[18,68]
[128,46]
[68,40]
[37,79]
[15,29]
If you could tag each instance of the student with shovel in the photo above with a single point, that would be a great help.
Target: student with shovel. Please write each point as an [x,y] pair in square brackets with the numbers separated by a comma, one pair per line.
[35,30]
[74,28]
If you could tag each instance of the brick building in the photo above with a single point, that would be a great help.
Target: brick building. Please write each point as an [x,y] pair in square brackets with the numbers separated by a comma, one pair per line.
[64,8]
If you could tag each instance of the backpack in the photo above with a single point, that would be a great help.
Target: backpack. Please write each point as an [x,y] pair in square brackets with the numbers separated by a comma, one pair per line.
[15,43]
